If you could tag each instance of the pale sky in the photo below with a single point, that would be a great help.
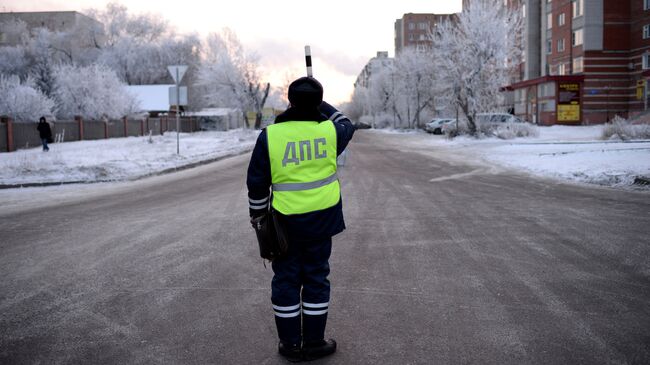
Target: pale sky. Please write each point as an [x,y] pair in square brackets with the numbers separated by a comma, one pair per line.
[343,35]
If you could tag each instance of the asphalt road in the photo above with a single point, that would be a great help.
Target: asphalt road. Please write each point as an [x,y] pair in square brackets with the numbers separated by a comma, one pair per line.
[441,264]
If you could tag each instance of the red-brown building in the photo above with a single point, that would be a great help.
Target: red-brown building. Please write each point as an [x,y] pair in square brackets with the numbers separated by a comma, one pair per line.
[412,30]
[586,61]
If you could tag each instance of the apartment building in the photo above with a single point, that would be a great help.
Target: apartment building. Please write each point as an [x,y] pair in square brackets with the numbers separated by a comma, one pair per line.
[412,30]
[585,61]
[374,65]
[53,20]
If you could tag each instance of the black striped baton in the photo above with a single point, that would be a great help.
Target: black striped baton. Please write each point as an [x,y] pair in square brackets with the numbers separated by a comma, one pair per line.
[308,61]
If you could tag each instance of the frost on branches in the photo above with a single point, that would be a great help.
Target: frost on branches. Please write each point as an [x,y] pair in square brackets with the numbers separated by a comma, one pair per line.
[229,77]
[93,92]
[23,101]
[474,56]
[404,90]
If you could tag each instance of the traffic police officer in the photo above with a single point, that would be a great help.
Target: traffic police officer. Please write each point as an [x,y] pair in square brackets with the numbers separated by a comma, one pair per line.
[296,157]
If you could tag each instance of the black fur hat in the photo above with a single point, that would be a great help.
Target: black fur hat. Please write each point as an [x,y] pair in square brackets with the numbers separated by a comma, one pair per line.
[305,92]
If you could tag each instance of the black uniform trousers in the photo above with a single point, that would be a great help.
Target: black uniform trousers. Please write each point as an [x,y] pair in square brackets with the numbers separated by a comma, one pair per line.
[300,291]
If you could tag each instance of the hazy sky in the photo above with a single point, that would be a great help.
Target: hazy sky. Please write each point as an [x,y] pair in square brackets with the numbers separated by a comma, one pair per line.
[343,35]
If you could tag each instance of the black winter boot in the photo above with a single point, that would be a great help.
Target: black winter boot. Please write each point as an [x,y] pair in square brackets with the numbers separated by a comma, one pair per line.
[316,350]
[290,352]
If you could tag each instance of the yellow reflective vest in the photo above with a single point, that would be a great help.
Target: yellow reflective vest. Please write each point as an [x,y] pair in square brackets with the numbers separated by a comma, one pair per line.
[303,166]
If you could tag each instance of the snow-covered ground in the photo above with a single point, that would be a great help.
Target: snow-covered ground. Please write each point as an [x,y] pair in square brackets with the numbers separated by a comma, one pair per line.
[568,153]
[119,158]
[563,152]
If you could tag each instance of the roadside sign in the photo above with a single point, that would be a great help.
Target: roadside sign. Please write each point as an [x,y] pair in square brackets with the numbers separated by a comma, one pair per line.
[640,88]
[177,72]
[176,98]
[182,94]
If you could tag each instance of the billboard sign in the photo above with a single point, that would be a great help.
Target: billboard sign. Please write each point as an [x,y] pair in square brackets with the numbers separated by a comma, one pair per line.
[568,103]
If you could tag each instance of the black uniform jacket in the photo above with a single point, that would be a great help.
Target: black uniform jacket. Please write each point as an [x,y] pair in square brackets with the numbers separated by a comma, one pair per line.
[308,226]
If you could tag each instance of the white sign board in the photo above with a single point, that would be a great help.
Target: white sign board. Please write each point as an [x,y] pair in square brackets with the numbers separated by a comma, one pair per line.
[177,72]
[182,94]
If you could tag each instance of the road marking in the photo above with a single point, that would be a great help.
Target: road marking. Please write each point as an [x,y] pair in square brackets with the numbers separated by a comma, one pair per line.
[458,176]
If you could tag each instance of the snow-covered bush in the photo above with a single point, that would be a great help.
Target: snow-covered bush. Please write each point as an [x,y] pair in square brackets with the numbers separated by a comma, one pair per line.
[453,130]
[23,101]
[379,121]
[490,130]
[93,92]
[515,130]
[621,129]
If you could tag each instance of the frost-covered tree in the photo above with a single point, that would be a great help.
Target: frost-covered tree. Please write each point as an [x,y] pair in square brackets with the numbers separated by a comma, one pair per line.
[93,92]
[23,100]
[140,47]
[474,56]
[404,90]
[13,59]
[414,82]
[119,24]
[230,77]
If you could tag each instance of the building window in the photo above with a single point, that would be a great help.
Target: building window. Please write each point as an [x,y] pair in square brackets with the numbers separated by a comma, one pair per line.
[645,61]
[411,26]
[423,26]
[560,45]
[549,46]
[523,10]
[646,4]
[423,37]
[560,20]
[561,69]
[3,37]
[646,31]
[578,65]
[549,20]
[411,37]
[576,38]
[578,8]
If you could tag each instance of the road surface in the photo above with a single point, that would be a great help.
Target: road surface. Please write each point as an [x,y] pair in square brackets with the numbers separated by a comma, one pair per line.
[442,263]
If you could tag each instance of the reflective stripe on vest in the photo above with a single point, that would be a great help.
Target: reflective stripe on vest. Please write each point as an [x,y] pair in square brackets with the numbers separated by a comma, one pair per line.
[303,166]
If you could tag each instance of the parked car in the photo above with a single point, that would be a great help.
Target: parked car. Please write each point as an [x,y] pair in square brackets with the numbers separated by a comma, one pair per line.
[436,126]
[497,118]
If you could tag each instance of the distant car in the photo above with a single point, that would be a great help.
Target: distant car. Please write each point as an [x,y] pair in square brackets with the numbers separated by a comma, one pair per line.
[497,118]
[362,125]
[436,126]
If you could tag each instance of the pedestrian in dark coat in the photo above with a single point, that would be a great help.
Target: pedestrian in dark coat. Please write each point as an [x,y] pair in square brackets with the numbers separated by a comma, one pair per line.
[296,157]
[45,132]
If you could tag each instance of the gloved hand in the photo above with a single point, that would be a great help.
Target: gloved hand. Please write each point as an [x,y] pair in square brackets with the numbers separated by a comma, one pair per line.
[256,218]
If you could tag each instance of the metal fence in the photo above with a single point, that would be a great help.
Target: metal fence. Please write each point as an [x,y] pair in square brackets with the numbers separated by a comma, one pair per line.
[17,134]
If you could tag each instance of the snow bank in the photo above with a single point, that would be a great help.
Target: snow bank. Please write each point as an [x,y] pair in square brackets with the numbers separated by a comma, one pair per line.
[118,158]
[573,153]
[611,164]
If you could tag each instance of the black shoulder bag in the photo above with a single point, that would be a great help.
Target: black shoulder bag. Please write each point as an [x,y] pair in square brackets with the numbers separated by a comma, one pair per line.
[271,235]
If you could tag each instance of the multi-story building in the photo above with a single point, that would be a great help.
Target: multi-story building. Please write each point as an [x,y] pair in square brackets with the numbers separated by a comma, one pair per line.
[373,66]
[586,61]
[53,20]
[413,30]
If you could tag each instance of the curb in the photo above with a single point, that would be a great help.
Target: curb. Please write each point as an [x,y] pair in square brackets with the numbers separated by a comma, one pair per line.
[139,177]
